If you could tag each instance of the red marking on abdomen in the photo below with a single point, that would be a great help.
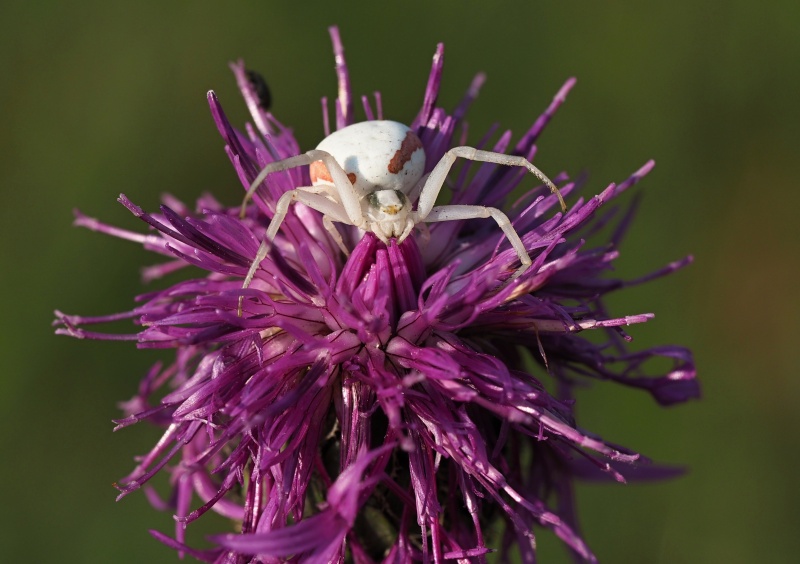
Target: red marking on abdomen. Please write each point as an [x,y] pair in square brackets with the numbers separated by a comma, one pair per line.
[318,171]
[410,144]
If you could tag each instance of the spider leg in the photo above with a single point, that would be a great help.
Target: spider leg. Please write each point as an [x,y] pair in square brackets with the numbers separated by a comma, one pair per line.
[424,233]
[349,196]
[277,166]
[458,212]
[307,195]
[263,249]
[436,179]
[407,229]
[328,223]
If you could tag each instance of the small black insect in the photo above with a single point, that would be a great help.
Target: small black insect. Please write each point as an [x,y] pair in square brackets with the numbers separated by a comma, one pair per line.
[262,90]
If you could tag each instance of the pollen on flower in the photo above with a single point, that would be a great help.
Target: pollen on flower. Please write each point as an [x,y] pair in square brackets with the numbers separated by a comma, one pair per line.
[376,404]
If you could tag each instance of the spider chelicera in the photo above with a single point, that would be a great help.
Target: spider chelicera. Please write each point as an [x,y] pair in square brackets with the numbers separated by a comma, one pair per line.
[363,175]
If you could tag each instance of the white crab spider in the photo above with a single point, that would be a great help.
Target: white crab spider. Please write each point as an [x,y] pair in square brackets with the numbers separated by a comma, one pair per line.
[363,175]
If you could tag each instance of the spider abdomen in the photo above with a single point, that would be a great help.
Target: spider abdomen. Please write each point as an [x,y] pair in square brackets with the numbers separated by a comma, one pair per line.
[376,155]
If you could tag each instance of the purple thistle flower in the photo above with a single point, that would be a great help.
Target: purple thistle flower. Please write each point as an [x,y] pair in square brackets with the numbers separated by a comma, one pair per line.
[378,406]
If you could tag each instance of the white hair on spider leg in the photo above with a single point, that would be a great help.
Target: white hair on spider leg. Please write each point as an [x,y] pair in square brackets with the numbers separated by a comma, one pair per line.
[363,174]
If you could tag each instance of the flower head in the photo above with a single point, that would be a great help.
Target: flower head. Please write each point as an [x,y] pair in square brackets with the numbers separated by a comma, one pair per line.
[380,405]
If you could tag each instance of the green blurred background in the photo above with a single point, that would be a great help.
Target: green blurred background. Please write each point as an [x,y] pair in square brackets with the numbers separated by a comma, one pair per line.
[98,99]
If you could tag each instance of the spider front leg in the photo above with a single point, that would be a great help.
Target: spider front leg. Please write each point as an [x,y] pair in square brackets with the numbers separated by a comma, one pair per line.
[435,181]
[455,213]
[307,195]
[350,198]
[347,210]
[334,233]
[433,185]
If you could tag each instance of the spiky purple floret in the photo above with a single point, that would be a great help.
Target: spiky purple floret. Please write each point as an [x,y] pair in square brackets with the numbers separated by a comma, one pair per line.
[392,379]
